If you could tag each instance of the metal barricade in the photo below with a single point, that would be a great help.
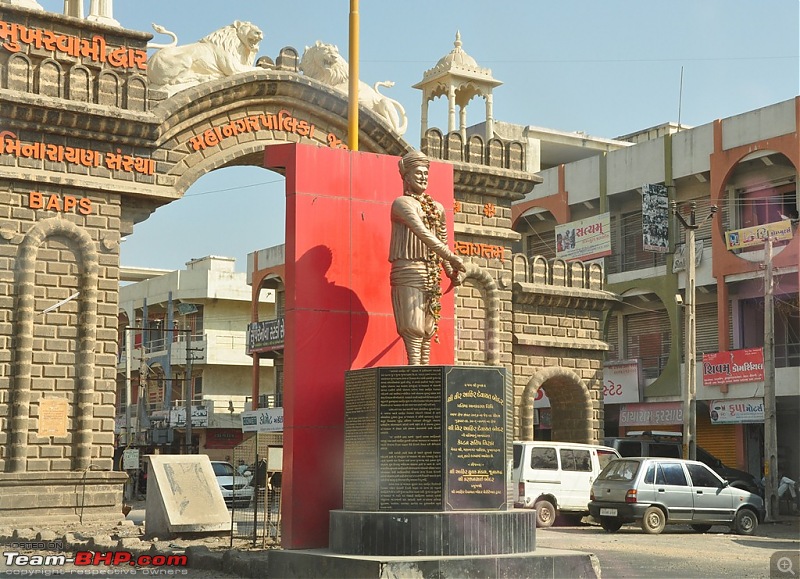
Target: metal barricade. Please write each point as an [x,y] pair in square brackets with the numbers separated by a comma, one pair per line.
[259,459]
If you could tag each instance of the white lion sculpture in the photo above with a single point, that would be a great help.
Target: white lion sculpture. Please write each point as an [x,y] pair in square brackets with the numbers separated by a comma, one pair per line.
[323,62]
[227,51]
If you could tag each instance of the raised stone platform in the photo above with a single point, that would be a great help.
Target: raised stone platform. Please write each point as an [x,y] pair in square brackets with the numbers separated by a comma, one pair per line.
[462,533]
[312,564]
[30,498]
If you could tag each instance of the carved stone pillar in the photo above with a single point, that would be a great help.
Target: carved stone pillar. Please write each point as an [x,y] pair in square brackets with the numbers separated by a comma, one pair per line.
[102,11]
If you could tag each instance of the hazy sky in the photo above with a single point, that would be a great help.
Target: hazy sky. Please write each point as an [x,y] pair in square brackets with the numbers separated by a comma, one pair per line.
[606,68]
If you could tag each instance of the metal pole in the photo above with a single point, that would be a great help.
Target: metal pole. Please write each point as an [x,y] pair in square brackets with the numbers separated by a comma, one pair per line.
[690,361]
[352,105]
[189,390]
[770,424]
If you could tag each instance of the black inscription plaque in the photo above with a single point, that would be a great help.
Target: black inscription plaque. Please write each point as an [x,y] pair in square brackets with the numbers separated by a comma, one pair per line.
[425,438]
[476,425]
[360,440]
[410,438]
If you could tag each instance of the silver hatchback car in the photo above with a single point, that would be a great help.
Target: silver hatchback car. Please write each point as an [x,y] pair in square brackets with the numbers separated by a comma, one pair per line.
[660,491]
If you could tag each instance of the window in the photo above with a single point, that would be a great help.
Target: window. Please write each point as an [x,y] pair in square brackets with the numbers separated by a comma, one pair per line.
[650,477]
[575,460]
[702,477]
[664,450]
[544,458]
[671,473]
[629,253]
[645,341]
[629,448]
[624,470]
[604,457]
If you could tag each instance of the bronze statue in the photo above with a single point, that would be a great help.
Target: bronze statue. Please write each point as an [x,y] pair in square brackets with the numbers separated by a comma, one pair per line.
[417,250]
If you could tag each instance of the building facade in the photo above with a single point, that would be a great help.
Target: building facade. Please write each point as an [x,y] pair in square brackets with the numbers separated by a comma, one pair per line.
[745,166]
[184,333]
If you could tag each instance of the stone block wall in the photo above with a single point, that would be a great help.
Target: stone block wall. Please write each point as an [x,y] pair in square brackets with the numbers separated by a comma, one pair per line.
[47,55]
[49,254]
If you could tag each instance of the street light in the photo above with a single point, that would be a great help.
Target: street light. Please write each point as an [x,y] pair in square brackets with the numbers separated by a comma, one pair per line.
[690,362]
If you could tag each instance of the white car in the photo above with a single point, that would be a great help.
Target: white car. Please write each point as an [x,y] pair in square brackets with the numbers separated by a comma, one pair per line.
[236,489]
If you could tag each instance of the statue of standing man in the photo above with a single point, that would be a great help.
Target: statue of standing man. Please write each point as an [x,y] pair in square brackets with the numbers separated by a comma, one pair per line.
[417,251]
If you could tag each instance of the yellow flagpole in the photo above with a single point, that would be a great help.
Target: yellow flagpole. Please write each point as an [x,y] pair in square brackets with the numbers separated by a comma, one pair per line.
[352,105]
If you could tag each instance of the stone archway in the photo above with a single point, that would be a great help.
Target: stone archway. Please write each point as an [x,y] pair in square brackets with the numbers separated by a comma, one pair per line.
[571,403]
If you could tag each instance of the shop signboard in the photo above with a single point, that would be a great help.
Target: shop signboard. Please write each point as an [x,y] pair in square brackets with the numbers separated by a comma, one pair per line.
[621,380]
[177,417]
[263,420]
[734,367]
[588,238]
[651,414]
[265,336]
[757,235]
[737,411]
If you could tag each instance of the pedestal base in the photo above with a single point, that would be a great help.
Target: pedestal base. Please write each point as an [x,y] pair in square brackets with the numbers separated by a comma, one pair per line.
[322,564]
[440,533]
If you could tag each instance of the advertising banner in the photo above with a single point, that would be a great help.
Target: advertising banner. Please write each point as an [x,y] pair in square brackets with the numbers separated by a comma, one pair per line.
[263,420]
[177,417]
[588,238]
[655,218]
[651,414]
[751,236]
[737,411]
[621,381]
[733,367]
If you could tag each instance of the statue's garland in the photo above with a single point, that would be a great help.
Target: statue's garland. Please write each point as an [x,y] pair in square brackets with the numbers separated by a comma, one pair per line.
[432,220]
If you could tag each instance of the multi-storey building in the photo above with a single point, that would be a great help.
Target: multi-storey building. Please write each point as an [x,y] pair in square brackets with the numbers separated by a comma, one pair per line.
[745,166]
[185,331]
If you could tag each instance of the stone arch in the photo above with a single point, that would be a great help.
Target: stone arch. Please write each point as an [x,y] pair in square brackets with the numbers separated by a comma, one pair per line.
[108,89]
[136,94]
[19,74]
[230,122]
[49,79]
[571,404]
[79,84]
[22,365]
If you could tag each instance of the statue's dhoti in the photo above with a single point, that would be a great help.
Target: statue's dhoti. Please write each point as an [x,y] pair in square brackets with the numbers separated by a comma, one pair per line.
[412,313]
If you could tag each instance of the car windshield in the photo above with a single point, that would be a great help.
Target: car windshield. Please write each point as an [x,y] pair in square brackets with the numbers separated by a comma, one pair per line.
[222,469]
[620,470]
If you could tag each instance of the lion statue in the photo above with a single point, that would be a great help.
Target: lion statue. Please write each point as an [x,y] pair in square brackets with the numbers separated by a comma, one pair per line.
[227,51]
[323,62]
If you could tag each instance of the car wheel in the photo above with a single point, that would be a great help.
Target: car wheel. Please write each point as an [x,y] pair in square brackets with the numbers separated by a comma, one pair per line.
[610,524]
[746,522]
[653,521]
[701,528]
[545,514]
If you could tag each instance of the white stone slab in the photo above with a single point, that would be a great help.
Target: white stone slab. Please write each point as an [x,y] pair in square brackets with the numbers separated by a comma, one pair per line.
[183,497]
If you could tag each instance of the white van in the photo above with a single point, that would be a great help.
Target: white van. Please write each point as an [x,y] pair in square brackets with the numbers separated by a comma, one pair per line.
[555,477]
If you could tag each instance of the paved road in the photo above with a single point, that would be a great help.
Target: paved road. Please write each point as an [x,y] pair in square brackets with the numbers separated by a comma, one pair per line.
[679,552]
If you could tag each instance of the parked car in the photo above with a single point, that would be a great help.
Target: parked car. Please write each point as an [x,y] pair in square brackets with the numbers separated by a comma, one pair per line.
[659,491]
[555,477]
[236,489]
[669,445]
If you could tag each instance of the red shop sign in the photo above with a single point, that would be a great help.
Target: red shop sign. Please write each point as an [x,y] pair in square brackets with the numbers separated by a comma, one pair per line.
[223,438]
[733,367]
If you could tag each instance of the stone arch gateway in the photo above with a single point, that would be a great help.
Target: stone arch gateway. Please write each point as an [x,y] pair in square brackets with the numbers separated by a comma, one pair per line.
[88,150]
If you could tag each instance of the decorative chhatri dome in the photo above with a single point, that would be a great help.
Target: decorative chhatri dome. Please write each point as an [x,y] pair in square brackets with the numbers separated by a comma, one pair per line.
[457,56]
[458,78]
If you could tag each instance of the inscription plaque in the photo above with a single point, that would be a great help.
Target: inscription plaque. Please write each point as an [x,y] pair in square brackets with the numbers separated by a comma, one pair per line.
[425,438]
[475,439]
